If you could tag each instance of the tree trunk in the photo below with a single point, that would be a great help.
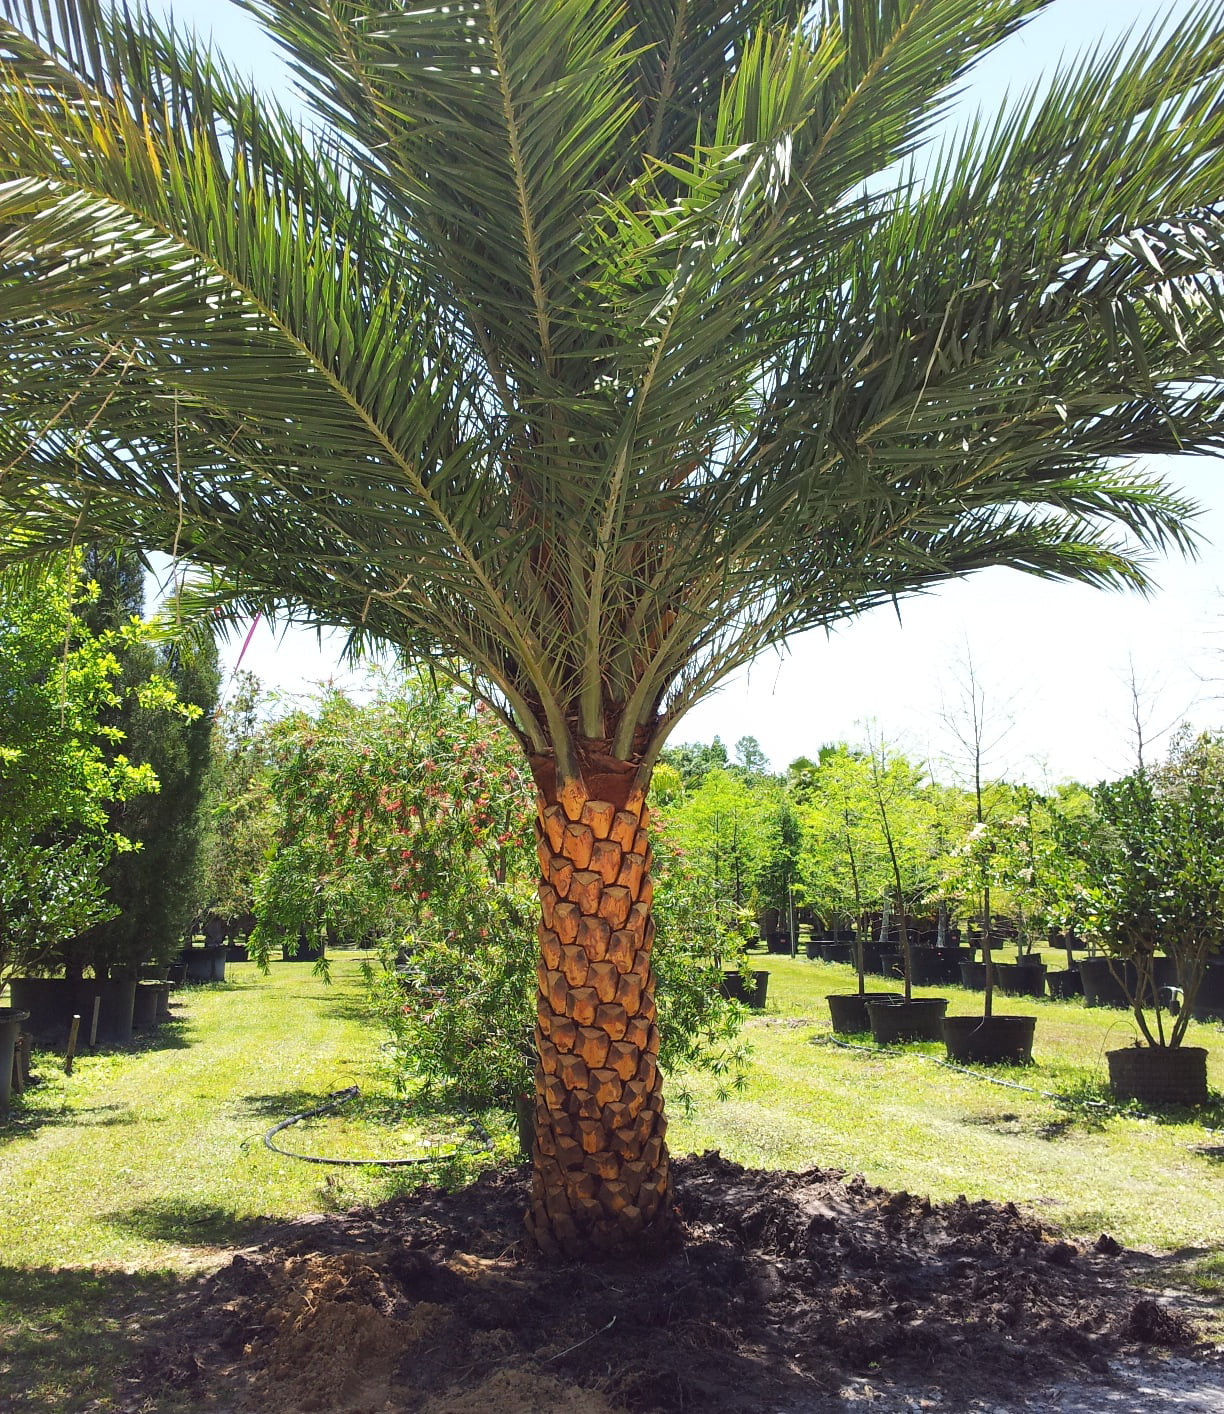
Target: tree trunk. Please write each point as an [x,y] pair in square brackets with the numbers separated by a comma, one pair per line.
[600,1166]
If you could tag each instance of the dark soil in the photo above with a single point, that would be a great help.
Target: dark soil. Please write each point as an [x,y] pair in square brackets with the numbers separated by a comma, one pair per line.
[784,1286]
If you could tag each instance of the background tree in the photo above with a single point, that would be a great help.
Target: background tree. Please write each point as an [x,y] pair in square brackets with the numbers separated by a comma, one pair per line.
[240,806]
[597,347]
[1191,785]
[749,758]
[166,694]
[906,819]
[694,760]
[729,828]
[60,774]
[1152,875]
[840,864]
[387,811]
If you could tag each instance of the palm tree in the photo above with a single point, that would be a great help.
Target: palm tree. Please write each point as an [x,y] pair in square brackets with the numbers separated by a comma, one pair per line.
[585,348]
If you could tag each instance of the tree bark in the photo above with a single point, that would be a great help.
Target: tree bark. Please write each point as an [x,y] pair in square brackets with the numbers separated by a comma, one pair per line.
[600,1178]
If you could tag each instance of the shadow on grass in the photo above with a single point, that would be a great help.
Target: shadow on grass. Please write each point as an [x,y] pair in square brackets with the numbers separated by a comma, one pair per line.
[67,1336]
[177,1034]
[452,1143]
[188,1223]
[374,1108]
[348,1008]
[27,1118]
[283,1103]
[190,988]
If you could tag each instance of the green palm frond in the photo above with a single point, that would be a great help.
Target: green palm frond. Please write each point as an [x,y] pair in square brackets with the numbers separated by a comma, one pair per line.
[601,346]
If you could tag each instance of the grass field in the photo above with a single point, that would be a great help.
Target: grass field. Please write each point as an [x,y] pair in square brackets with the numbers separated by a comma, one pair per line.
[119,1183]
[146,1165]
[906,1121]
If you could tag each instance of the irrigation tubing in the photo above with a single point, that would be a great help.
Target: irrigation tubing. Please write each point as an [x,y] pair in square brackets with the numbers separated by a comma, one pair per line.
[1064,1100]
[342,1097]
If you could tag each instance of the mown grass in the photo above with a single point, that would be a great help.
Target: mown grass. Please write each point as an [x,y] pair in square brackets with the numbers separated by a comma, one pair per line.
[143,1168]
[155,1157]
[1053,1141]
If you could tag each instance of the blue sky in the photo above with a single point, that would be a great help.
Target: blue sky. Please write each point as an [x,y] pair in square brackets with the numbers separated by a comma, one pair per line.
[1054,660]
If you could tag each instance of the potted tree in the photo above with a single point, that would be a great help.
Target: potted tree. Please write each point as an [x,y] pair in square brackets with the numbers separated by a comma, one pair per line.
[906,821]
[47,892]
[840,867]
[61,777]
[1021,860]
[990,1038]
[1154,857]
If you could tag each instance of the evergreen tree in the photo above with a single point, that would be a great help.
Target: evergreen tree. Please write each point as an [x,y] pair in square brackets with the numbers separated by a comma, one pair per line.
[154,886]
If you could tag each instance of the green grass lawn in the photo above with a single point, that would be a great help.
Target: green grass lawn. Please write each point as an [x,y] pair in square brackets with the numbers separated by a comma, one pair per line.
[144,1166]
[905,1121]
[155,1158]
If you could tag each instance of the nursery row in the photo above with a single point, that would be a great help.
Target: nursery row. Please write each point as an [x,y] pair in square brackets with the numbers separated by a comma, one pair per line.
[1167,1072]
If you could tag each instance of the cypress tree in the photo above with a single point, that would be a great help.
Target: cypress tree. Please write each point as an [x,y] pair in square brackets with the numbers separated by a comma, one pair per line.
[154,885]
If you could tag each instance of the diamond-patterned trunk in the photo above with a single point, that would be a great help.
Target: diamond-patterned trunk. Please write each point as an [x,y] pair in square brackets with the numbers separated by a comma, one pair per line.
[600,1179]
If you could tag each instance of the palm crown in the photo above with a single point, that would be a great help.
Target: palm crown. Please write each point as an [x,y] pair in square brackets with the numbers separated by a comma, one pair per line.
[599,345]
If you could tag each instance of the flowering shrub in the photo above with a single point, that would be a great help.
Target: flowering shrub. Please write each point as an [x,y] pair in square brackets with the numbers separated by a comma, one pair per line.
[1021,856]
[410,820]
[387,809]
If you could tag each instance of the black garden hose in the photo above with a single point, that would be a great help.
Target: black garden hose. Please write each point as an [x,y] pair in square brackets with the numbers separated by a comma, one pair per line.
[342,1097]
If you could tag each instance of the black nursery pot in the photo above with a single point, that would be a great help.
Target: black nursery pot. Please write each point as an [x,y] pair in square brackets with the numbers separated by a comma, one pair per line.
[892,964]
[848,1011]
[152,1005]
[732,987]
[205,964]
[990,1040]
[1065,984]
[116,1009]
[10,1029]
[49,1002]
[1107,982]
[935,966]
[872,953]
[1021,979]
[973,976]
[304,952]
[917,1020]
[1209,1004]
[53,1001]
[1159,1075]
[838,952]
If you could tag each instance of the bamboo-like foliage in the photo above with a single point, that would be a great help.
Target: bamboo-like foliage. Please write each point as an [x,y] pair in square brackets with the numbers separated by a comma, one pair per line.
[600,344]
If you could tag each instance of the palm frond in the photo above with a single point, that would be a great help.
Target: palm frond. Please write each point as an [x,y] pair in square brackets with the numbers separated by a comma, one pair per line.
[601,347]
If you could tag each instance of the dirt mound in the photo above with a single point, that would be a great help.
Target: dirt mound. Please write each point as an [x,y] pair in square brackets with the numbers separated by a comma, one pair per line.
[784,1286]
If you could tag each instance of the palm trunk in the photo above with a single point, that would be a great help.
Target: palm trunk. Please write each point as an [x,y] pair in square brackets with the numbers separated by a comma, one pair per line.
[600,1165]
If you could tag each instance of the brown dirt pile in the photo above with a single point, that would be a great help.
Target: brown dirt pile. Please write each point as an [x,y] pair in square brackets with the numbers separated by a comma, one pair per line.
[784,1285]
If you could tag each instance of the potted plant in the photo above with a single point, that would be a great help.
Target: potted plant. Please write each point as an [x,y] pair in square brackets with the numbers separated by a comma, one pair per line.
[989,1038]
[1154,858]
[62,775]
[1020,861]
[47,892]
[906,822]
[839,866]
